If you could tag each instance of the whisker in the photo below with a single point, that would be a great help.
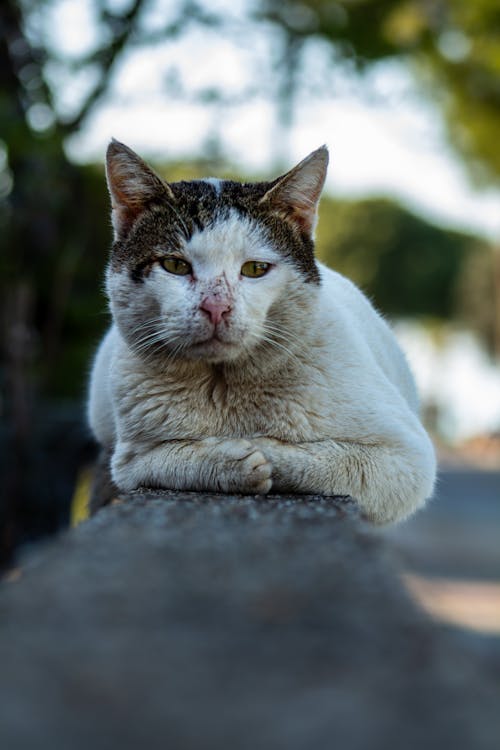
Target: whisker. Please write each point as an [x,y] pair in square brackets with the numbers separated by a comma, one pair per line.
[279,335]
[150,323]
[272,325]
[274,328]
[281,347]
[272,343]
[146,339]
[144,347]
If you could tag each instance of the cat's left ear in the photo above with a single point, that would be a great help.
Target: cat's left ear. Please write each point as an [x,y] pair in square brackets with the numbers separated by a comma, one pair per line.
[295,196]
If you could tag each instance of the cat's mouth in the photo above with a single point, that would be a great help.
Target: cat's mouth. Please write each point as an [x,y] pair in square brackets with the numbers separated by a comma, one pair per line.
[215,341]
[214,347]
[219,335]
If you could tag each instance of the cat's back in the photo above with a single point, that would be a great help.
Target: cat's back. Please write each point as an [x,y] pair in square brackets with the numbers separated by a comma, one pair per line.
[358,327]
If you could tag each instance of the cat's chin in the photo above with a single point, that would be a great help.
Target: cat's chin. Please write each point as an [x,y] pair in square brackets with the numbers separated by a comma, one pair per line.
[214,350]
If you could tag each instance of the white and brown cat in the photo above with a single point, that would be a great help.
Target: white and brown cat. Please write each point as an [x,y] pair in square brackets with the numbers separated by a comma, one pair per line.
[236,362]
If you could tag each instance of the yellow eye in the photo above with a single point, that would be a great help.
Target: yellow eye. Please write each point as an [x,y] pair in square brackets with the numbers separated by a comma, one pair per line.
[176,266]
[254,268]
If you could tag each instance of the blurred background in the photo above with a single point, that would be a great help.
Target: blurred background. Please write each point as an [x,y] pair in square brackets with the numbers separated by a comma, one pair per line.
[406,94]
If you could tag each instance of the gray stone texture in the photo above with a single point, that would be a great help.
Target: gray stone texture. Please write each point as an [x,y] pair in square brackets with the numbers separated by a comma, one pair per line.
[190,621]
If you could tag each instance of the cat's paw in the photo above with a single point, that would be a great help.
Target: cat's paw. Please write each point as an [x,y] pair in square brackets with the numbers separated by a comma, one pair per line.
[241,467]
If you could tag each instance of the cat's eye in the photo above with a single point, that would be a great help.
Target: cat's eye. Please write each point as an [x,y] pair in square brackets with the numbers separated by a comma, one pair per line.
[253,269]
[175,265]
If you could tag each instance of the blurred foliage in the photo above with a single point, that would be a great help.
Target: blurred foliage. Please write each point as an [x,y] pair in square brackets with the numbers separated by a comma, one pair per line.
[477,295]
[408,267]
[453,46]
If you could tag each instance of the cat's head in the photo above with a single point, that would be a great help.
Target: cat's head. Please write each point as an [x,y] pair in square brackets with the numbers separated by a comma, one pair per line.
[212,269]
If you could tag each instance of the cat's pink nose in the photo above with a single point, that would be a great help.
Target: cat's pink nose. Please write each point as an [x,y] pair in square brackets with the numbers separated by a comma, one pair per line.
[215,307]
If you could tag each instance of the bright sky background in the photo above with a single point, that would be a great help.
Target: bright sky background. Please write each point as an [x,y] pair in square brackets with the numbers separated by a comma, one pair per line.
[391,149]
[383,139]
[374,150]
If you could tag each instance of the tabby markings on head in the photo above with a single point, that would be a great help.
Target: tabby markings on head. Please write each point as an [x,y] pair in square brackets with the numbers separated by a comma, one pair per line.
[148,212]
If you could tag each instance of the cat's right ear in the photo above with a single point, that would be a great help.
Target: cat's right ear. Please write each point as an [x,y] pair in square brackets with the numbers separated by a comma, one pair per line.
[132,186]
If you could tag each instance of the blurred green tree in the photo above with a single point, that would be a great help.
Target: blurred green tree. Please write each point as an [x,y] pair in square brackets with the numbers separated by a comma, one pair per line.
[452,46]
[407,266]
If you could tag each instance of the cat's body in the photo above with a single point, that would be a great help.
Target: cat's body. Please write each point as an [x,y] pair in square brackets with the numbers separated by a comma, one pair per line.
[225,376]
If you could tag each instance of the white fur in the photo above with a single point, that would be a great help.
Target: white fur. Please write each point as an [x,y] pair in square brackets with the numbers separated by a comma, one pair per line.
[327,406]
[215,183]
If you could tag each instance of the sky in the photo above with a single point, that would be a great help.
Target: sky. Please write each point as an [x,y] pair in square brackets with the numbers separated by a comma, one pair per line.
[384,139]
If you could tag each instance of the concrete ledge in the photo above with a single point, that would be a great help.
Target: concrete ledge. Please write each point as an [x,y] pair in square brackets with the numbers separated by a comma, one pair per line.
[179,621]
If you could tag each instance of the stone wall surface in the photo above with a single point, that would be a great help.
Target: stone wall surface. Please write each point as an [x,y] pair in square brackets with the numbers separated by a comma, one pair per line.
[191,621]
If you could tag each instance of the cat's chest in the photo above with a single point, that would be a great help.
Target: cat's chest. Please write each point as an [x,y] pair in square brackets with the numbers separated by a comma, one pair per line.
[280,407]
[270,408]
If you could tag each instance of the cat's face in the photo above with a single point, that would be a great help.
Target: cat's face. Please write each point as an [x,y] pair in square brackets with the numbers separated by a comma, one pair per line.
[209,269]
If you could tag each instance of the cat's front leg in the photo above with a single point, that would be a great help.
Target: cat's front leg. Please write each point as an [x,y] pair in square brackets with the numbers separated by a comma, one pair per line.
[212,464]
[389,479]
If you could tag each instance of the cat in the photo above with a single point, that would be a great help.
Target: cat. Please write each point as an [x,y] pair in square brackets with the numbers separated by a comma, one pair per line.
[237,363]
